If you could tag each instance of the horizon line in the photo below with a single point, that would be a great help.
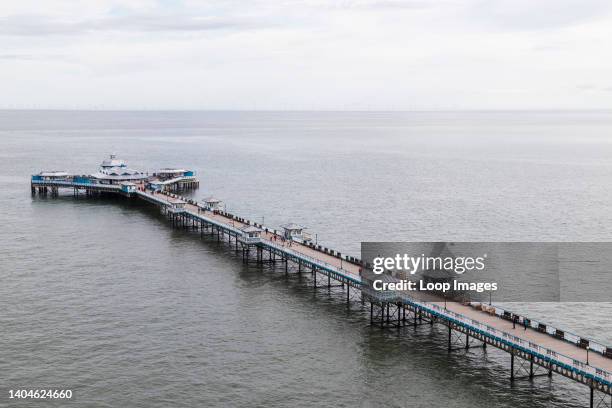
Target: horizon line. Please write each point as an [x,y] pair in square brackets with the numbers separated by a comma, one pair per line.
[483,110]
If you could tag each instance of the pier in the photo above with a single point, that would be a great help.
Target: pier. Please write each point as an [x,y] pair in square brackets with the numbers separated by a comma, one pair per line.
[534,348]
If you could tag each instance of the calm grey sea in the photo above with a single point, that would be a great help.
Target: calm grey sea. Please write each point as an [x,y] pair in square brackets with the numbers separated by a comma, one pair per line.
[102,297]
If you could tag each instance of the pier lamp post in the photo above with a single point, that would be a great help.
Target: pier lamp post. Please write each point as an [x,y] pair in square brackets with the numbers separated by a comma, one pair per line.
[587,349]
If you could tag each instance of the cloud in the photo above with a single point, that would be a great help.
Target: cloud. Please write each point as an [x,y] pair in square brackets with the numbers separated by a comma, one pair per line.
[40,25]
[586,87]
[13,57]
[593,88]
[33,57]
[536,14]
[368,4]
[307,54]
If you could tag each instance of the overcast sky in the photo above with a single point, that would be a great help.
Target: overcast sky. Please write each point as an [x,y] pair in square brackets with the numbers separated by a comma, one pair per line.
[306,54]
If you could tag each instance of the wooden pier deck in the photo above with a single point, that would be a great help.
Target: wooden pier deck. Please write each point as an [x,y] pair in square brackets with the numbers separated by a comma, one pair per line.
[539,349]
[267,237]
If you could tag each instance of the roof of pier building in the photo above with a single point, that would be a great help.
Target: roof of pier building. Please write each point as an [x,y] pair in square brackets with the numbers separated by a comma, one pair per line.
[53,173]
[250,228]
[211,200]
[171,171]
[115,169]
[112,161]
[293,227]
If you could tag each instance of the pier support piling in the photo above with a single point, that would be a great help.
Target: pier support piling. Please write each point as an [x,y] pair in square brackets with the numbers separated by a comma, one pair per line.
[371,313]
